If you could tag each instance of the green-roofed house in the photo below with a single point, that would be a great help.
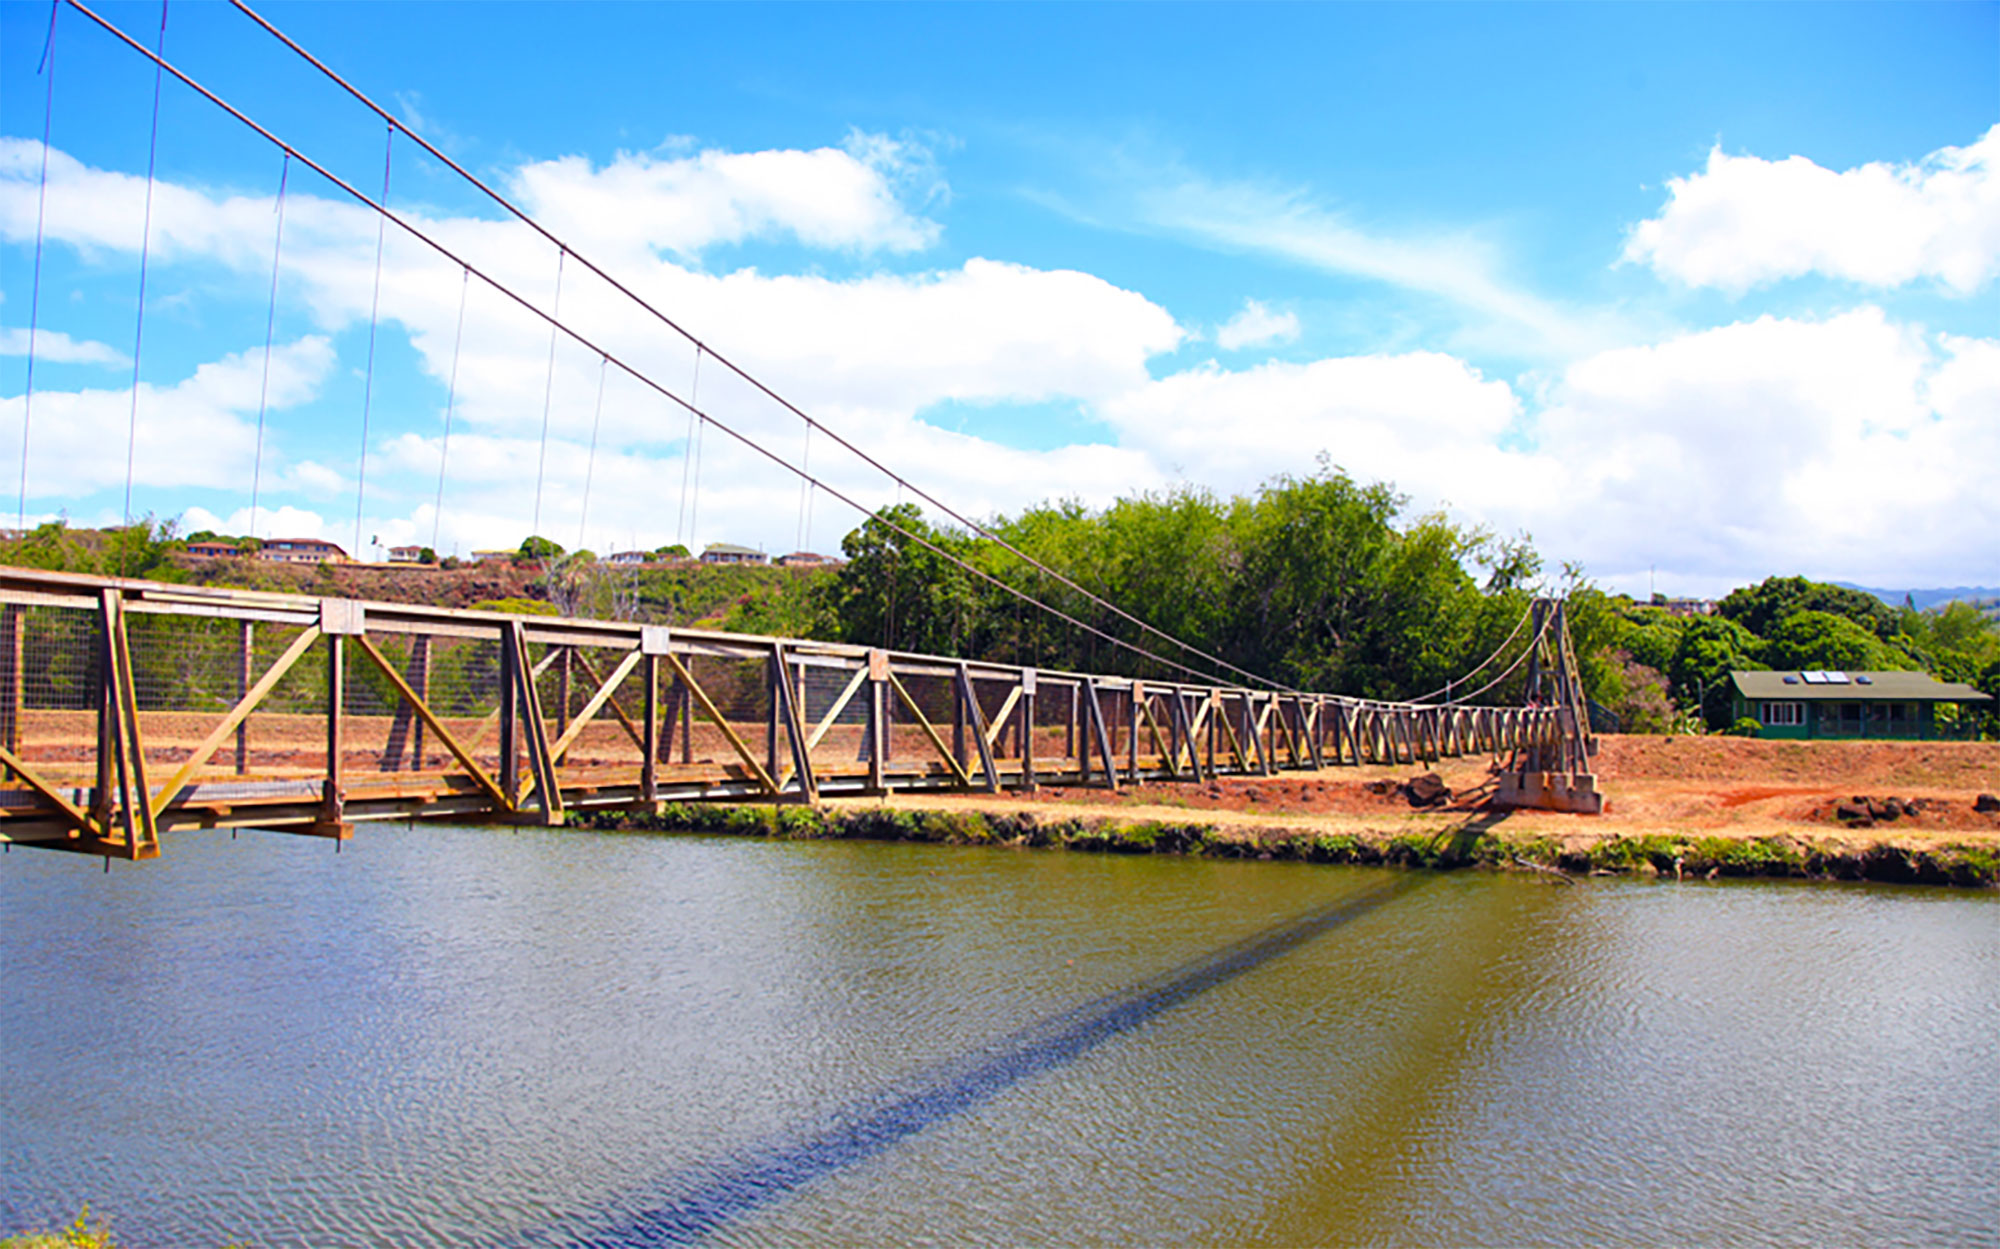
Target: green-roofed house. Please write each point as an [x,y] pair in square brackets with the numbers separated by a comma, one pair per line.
[1812,704]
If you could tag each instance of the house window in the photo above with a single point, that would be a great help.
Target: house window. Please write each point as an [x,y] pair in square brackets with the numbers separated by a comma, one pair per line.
[1784,715]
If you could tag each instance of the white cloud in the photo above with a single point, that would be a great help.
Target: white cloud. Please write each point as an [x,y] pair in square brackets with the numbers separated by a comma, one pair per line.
[829,198]
[1847,446]
[199,432]
[1745,221]
[1424,420]
[59,348]
[1851,447]
[1456,267]
[281,522]
[1257,326]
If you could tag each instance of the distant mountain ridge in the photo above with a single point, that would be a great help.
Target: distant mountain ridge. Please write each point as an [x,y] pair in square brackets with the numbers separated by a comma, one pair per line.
[1979,595]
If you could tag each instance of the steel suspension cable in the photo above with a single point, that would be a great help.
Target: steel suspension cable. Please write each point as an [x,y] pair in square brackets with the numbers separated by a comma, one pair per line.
[145,249]
[270,333]
[1522,658]
[788,405]
[1467,676]
[450,400]
[374,321]
[704,419]
[35,290]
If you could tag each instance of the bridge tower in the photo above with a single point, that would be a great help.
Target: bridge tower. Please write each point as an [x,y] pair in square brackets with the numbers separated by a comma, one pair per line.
[1549,768]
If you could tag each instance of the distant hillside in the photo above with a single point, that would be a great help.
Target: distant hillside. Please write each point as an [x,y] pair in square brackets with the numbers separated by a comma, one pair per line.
[1987,598]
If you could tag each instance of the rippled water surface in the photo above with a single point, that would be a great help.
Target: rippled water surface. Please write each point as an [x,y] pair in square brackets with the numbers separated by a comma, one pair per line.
[467,1036]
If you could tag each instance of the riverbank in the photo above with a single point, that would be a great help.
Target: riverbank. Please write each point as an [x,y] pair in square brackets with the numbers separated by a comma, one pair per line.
[1904,812]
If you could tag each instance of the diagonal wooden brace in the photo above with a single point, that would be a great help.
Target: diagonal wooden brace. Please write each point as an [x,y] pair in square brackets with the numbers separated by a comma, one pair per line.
[238,714]
[436,725]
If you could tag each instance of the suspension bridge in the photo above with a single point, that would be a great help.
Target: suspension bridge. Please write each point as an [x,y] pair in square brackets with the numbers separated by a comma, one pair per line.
[130,709]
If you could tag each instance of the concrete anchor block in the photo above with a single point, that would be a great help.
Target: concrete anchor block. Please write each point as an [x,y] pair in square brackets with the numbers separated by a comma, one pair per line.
[1572,792]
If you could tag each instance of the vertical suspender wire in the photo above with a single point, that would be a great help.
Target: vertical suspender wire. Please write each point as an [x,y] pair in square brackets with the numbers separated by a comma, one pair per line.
[590,464]
[374,320]
[450,399]
[145,247]
[35,290]
[548,392]
[270,332]
[805,487]
[700,430]
[687,452]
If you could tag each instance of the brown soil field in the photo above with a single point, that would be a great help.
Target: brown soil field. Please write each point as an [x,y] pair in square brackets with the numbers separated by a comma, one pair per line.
[1691,787]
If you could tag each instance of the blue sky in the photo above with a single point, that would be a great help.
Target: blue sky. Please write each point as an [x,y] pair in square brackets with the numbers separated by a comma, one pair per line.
[1692,294]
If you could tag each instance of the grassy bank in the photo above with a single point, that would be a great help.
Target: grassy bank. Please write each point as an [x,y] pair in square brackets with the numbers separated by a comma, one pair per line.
[1483,842]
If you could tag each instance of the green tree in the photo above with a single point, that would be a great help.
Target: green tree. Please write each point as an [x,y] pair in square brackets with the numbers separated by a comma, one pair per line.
[1762,607]
[898,592]
[1817,639]
[1710,649]
[536,547]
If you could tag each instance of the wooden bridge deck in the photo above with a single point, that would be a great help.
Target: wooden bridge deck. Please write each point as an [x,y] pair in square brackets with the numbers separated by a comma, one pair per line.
[132,708]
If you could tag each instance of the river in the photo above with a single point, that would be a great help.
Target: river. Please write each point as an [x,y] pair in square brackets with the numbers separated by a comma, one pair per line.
[451,1036]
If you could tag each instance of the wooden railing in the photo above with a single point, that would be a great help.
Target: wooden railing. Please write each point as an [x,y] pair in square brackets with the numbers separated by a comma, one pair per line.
[132,708]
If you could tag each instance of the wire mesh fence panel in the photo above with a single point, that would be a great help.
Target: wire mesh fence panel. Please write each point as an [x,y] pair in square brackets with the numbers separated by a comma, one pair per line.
[53,658]
[914,745]
[739,691]
[991,694]
[608,745]
[842,746]
[1055,734]
[284,736]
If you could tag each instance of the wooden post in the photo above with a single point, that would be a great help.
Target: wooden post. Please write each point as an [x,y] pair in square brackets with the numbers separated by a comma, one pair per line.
[13,697]
[563,678]
[510,728]
[420,681]
[1132,697]
[336,697]
[878,713]
[1027,728]
[958,711]
[686,696]
[246,652]
[774,677]
[649,771]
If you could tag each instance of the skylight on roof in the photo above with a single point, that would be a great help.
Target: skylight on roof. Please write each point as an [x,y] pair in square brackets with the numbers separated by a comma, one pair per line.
[1835,678]
[1814,677]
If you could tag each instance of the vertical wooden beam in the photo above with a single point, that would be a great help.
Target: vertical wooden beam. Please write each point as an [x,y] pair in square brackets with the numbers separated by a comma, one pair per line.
[959,712]
[686,697]
[564,677]
[420,681]
[13,681]
[510,720]
[968,701]
[649,771]
[1027,729]
[336,699]
[654,641]
[1095,710]
[246,653]
[1132,697]
[794,725]
[774,681]
[878,716]
[535,729]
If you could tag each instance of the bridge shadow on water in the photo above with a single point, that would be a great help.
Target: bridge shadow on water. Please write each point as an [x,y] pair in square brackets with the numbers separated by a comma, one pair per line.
[712,1194]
